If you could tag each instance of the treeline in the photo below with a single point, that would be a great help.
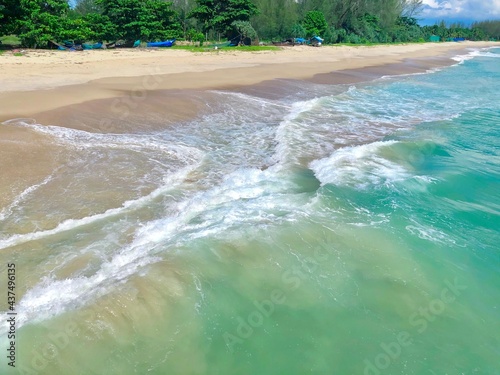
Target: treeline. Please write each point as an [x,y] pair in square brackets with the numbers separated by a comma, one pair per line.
[358,21]
[37,22]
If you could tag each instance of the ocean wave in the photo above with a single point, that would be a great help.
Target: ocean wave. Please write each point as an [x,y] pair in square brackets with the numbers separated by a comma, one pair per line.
[170,182]
[246,197]
[290,135]
[359,166]
[428,233]
[473,54]
[7,211]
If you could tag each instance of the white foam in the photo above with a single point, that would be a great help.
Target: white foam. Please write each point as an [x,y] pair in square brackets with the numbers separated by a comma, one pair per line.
[360,166]
[170,183]
[290,135]
[473,54]
[81,140]
[245,196]
[488,54]
[429,233]
[462,58]
[249,98]
[7,211]
[52,297]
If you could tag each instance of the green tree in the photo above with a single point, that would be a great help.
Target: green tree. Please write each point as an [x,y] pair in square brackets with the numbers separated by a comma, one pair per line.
[487,29]
[100,27]
[411,8]
[314,23]
[183,8]
[298,31]
[10,12]
[146,20]
[84,7]
[244,29]
[195,36]
[40,21]
[276,18]
[220,14]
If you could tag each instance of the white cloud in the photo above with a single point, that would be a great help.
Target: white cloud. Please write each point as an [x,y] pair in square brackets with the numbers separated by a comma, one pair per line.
[431,3]
[466,9]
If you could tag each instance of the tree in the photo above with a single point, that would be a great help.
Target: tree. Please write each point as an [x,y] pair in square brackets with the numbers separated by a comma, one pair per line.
[84,7]
[368,27]
[244,30]
[183,8]
[276,18]
[146,20]
[220,14]
[40,21]
[411,8]
[10,12]
[100,27]
[298,31]
[489,29]
[314,23]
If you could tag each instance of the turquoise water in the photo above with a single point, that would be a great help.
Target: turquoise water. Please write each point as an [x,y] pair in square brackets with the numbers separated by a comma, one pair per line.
[338,230]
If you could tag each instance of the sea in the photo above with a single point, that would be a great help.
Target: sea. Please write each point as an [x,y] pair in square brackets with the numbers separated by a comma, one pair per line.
[323,229]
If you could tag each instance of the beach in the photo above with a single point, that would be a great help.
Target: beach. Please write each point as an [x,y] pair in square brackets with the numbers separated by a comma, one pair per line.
[107,91]
[44,80]
[299,211]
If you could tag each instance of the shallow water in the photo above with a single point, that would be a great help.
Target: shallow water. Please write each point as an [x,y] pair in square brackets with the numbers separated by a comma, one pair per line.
[349,229]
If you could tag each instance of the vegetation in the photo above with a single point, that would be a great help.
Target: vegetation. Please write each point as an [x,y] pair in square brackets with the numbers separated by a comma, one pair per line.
[37,22]
[139,19]
[314,23]
[244,30]
[219,15]
[10,40]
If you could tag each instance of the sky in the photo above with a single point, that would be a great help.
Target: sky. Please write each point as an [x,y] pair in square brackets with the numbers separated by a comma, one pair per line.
[465,11]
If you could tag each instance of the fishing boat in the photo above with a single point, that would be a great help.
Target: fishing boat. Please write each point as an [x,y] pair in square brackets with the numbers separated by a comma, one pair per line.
[167,43]
[316,41]
[127,44]
[300,41]
[92,46]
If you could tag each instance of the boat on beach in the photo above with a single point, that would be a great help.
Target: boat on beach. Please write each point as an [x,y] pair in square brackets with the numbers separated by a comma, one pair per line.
[167,43]
[87,46]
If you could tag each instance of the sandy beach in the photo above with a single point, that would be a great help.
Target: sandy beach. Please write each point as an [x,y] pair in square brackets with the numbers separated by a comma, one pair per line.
[40,81]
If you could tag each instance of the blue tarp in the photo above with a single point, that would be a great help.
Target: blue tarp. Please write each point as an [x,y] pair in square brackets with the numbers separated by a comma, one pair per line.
[92,46]
[317,38]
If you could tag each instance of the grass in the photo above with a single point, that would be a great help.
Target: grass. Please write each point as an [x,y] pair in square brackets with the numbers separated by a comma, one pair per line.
[192,48]
[10,40]
[18,54]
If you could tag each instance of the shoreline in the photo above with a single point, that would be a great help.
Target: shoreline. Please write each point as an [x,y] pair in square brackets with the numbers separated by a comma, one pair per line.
[124,77]
[148,103]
